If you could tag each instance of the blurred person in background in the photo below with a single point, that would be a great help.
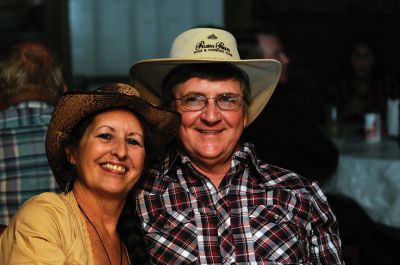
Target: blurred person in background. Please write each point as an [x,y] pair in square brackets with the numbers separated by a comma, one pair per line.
[362,88]
[359,89]
[31,82]
[287,132]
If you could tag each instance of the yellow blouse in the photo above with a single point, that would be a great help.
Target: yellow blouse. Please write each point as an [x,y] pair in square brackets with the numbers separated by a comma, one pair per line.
[47,229]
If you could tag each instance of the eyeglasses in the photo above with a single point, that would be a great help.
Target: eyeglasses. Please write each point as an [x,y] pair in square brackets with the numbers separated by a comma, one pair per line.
[196,102]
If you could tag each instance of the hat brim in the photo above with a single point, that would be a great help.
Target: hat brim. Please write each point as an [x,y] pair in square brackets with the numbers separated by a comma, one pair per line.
[72,108]
[148,76]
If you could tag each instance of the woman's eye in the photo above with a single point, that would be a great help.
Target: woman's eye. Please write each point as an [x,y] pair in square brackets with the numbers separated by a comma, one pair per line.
[105,136]
[134,142]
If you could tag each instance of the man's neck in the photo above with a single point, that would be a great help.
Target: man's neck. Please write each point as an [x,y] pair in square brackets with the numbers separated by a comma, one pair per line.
[215,172]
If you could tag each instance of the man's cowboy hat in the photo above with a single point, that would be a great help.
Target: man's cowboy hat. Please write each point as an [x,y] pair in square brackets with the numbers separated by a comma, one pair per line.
[73,107]
[207,45]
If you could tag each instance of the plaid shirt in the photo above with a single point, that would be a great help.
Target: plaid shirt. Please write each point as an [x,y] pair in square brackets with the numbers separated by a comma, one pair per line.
[24,170]
[261,214]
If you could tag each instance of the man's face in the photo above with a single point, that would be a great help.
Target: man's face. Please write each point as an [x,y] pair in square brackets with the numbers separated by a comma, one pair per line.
[362,60]
[210,135]
[271,48]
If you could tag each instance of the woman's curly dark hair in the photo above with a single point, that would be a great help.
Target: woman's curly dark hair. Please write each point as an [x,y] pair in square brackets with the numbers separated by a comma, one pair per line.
[130,230]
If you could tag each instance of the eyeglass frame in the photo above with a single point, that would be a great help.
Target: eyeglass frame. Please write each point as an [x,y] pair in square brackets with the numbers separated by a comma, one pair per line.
[216,100]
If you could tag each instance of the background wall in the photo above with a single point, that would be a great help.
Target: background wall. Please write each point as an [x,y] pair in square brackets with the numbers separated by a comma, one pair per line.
[100,38]
[107,37]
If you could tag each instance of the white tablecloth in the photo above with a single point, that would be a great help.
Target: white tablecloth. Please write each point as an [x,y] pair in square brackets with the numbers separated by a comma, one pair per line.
[370,174]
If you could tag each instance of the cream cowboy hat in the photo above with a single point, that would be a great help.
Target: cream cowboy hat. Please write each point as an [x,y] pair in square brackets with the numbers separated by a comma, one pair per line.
[207,45]
[73,107]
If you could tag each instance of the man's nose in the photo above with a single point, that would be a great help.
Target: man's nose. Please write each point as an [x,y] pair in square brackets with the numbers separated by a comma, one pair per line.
[211,112]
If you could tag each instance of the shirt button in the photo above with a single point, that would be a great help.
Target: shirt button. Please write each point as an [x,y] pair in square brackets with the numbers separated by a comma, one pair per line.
[227,259]
[166,226]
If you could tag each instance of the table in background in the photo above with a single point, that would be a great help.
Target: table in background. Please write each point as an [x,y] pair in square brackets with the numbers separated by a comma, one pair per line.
[370,174]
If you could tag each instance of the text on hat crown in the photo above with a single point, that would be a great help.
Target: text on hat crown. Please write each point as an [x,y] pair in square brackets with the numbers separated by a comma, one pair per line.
[217,45]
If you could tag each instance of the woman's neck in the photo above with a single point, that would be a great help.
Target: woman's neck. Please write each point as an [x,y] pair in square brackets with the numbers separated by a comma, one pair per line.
[104,212]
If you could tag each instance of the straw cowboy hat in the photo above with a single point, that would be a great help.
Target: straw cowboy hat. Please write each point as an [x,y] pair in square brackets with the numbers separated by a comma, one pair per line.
[207,45]
[73,107]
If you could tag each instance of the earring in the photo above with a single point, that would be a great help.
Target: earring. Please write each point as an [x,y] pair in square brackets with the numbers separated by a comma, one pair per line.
[69,180]
[67,186]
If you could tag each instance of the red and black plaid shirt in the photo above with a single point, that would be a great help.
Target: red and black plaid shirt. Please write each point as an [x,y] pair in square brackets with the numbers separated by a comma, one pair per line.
[261,214]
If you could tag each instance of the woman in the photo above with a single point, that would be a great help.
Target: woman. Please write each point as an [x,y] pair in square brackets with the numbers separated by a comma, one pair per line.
[96,149]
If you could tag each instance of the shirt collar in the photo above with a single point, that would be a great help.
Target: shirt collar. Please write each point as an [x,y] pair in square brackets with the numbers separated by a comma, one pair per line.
[246,151]
[28,113]
[32,104]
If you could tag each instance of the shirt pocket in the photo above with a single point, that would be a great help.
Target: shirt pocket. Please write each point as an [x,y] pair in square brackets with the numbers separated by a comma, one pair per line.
[277,237]
[172,237]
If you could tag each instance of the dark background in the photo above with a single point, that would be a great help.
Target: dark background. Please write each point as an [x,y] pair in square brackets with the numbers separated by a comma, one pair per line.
[316,34]
[43,20]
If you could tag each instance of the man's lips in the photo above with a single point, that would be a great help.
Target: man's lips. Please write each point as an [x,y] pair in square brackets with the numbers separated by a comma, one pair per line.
[207,131]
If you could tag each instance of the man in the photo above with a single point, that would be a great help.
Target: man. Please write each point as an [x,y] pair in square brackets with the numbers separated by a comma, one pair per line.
[210,200]
[287,133]
[270,47]
[30,83]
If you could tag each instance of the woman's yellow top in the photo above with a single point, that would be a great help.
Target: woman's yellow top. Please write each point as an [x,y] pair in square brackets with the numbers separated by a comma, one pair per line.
[47,229]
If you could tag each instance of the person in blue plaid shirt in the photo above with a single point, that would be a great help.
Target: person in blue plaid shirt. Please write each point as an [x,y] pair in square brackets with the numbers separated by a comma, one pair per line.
[210,199]
[30,83]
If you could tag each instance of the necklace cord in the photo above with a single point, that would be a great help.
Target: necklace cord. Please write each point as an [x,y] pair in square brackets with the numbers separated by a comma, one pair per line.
[101,241]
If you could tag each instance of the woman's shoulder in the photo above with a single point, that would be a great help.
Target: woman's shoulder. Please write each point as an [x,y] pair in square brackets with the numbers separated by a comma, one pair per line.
[42,210]
[48,214]
[46,227]
[42,202]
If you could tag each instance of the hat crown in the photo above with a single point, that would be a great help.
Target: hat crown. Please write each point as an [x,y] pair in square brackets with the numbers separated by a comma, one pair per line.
[205,44]
[119,88]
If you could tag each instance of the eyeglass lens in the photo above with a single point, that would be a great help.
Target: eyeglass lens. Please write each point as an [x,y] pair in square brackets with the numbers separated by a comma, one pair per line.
[198,102]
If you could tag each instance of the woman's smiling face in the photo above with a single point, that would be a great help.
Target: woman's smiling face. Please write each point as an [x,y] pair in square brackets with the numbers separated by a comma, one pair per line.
[110,156]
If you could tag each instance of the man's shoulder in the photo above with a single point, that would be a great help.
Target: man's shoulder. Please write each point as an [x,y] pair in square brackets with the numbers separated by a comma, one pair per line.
[269,175]
[275,177]
[156,175]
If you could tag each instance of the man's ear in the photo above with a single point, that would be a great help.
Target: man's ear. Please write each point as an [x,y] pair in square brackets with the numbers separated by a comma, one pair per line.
[245,120]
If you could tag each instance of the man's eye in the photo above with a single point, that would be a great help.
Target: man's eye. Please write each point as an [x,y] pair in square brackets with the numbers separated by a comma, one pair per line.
[105,136]
[193,100]
[190,99]
[228,99]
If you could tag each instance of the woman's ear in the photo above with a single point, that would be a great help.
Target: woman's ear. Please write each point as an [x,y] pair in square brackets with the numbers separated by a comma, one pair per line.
[70,155]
